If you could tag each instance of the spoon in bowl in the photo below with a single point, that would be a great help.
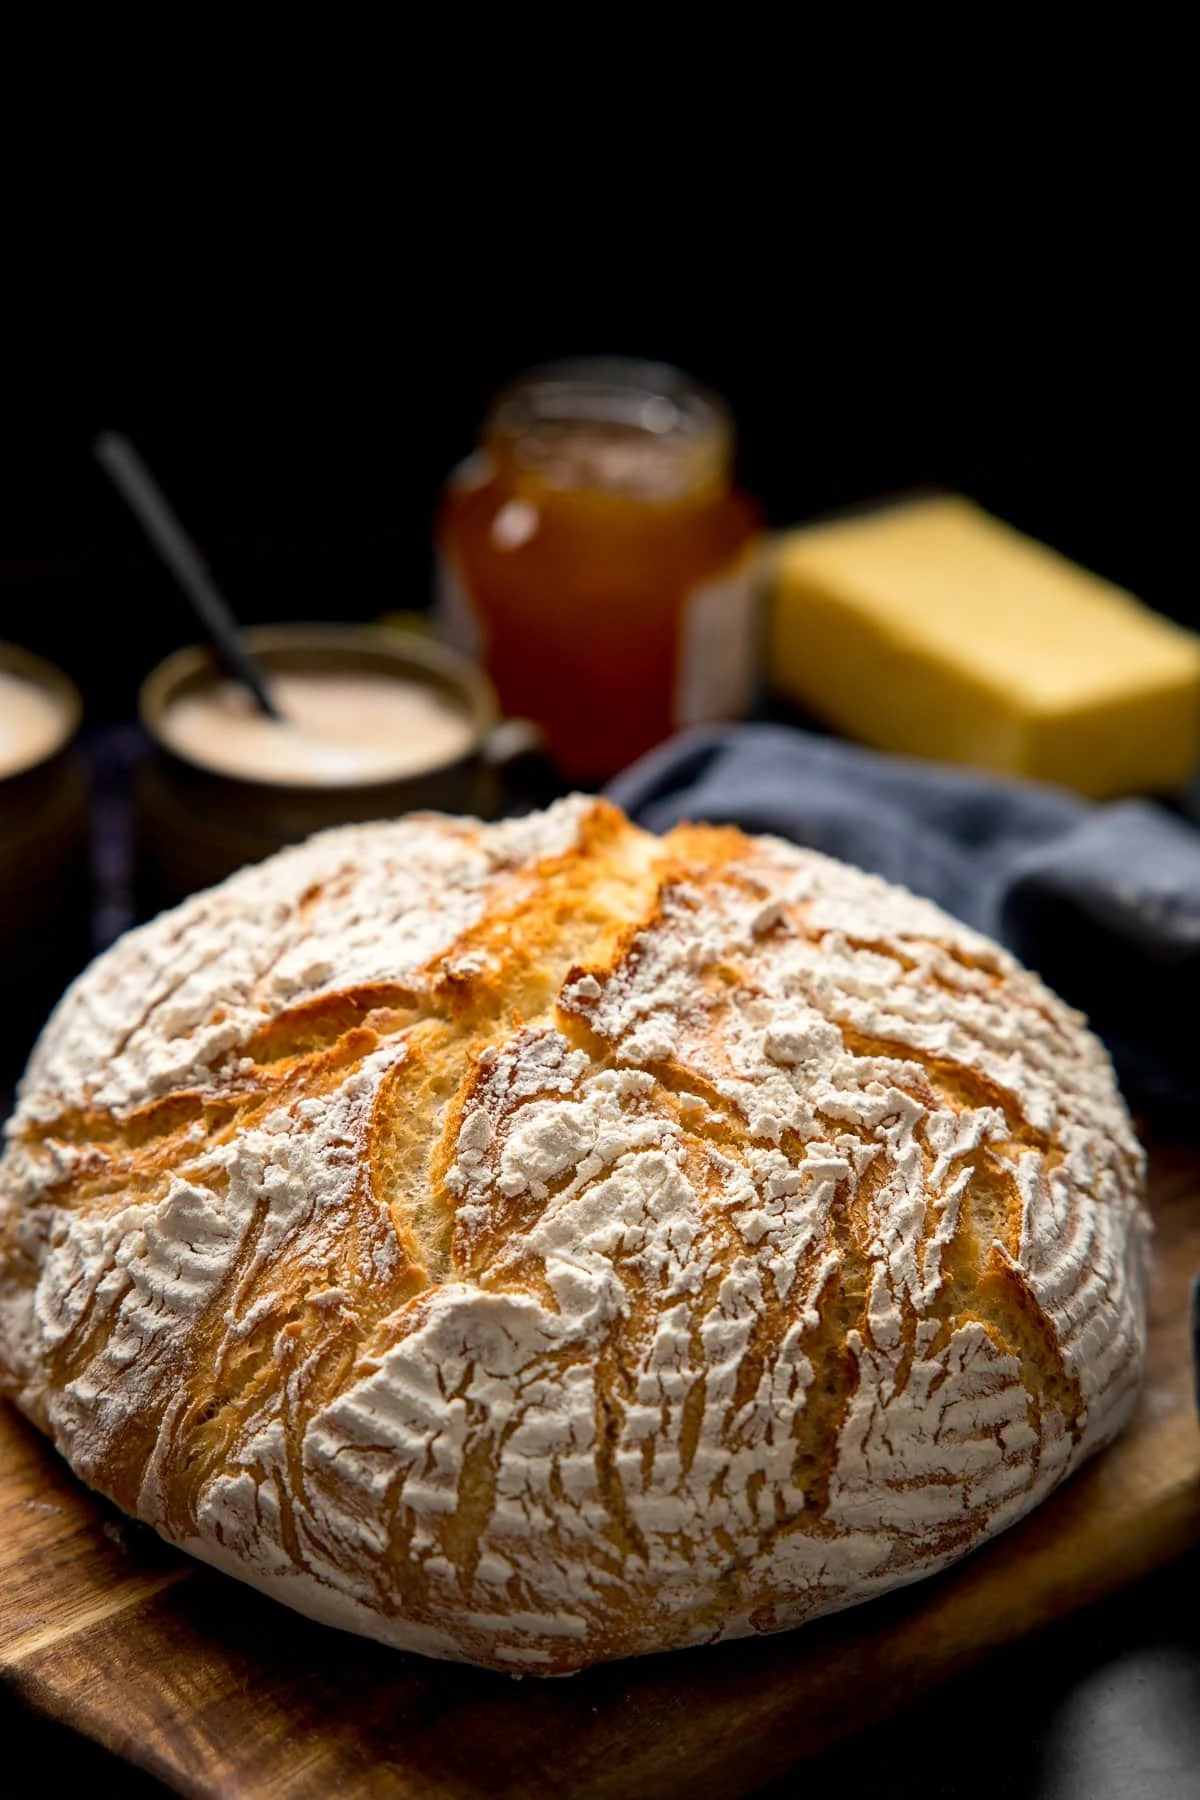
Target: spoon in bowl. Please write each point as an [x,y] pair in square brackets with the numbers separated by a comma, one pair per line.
[149,505]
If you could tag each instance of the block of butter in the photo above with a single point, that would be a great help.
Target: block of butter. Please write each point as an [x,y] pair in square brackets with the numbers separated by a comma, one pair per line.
[930,627]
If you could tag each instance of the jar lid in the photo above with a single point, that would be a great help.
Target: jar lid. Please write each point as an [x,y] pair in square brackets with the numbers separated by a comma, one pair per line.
[614,425]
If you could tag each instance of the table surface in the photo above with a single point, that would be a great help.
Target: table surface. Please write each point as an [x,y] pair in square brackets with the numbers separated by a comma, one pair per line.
[1105,1706]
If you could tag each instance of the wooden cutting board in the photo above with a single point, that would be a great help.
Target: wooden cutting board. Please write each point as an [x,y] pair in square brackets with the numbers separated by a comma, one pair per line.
[221,1692]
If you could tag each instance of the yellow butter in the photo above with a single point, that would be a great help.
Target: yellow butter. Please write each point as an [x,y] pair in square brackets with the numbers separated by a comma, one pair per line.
[932,628]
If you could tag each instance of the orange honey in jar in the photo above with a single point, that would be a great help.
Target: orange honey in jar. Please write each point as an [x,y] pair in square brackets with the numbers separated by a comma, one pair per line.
[596,556]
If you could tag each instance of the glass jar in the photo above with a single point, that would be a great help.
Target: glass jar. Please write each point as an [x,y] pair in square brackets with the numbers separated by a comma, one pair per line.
[595,555]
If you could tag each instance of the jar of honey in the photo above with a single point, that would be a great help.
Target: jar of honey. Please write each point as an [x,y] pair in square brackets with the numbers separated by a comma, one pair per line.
[596,556]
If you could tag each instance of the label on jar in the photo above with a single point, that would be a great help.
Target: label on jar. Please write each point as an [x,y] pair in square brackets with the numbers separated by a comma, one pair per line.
[454,616]
[717,667]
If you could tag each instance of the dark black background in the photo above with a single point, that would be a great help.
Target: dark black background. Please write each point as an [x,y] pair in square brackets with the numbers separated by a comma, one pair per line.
[304,417]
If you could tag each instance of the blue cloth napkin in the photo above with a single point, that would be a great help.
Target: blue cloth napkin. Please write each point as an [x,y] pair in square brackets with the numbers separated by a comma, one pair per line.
[1103,901]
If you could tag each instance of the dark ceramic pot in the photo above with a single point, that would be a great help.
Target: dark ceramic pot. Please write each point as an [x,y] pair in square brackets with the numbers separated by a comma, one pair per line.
[44,912]
[195,825]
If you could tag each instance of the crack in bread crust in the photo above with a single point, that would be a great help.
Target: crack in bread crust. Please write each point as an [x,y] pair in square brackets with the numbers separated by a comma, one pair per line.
[539,1243]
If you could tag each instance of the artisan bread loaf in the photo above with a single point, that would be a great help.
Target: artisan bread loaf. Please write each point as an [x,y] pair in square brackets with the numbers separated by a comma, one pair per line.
[542,1242]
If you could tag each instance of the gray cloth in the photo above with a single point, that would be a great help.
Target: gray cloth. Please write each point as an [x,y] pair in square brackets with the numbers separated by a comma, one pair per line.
[1104,901]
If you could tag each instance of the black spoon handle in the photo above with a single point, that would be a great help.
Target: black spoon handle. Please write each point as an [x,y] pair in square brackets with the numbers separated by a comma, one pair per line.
[154,513]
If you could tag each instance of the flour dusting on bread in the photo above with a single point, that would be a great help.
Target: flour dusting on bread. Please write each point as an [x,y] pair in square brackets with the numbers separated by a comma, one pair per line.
[539,1243]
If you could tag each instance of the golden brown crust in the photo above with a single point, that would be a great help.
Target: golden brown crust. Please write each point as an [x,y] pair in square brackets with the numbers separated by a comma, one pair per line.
[540,1243]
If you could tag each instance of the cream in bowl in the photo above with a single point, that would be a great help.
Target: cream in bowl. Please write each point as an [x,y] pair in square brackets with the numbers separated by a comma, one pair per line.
[337,728]
[34,723]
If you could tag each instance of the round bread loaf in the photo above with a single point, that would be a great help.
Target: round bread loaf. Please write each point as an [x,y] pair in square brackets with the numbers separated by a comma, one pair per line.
[542,1242]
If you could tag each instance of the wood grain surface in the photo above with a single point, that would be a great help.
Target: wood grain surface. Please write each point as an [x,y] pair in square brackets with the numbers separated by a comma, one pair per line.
[218,1691]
